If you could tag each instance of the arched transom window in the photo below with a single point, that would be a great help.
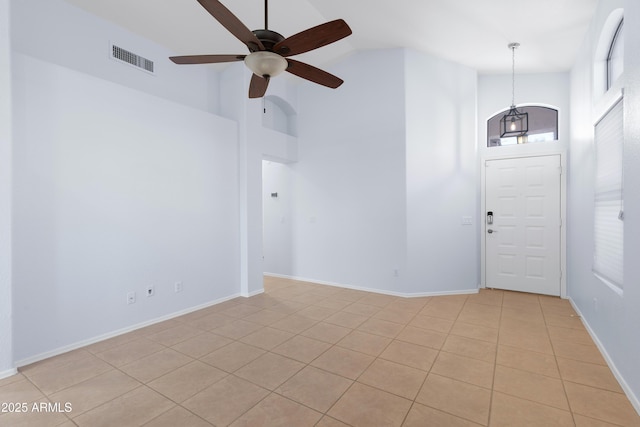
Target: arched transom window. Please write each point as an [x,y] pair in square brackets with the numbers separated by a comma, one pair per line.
[542,127]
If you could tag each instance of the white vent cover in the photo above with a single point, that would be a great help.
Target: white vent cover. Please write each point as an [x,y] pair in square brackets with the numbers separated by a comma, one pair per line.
[131,58]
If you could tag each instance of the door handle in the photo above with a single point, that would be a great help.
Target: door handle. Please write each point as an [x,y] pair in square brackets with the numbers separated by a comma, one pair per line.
[491,231]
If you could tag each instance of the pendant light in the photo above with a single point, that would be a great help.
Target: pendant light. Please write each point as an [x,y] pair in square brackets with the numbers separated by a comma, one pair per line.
[515,122]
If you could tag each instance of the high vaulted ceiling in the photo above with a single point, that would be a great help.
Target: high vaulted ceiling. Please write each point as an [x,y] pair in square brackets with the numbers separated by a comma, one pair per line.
[471,32]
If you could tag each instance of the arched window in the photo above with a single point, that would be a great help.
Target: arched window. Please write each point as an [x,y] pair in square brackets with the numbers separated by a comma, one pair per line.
[615,57]
[608,60]
[543,127]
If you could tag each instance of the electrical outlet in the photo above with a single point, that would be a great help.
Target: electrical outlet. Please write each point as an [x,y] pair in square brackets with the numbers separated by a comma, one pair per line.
[131,297]
[177,287]
[150,291]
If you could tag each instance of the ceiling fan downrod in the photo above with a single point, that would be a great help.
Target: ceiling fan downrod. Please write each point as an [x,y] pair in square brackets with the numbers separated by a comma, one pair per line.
[266,14]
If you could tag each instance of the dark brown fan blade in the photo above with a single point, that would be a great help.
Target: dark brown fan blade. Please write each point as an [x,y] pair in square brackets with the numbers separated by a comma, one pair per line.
[313,38]
[258,86]
[206,59]
[313,74]
[232,24]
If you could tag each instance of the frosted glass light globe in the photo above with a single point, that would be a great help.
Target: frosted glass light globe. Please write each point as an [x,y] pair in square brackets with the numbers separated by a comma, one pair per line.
[265,63]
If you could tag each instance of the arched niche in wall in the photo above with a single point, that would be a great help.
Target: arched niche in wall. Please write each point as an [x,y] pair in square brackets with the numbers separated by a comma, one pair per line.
[602,81]
[279,115]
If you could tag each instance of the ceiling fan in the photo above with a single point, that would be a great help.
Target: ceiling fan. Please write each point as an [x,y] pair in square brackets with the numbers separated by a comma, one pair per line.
[270,51]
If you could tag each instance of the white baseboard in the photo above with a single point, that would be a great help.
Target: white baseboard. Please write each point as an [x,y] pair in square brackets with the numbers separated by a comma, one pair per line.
[623,384]
[252,294]
[373,290]
[441,294]
[84,343]
[8,373]
[281,276]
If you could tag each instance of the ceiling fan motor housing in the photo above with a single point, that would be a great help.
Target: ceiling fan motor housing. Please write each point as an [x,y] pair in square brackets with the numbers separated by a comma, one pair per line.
[268,39]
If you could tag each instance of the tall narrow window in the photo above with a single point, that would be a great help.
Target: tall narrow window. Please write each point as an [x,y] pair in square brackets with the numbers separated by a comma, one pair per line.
[615,57]
[609,203]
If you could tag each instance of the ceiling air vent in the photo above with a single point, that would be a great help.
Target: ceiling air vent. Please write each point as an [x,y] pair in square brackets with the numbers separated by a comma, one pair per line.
[131,58]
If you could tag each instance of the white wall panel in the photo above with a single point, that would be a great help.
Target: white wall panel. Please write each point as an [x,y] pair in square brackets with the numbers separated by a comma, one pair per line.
[611,315]
[115,190]
[441,174]
[6,147]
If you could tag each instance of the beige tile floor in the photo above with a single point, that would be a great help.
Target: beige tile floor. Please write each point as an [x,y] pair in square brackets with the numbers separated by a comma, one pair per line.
[310,355]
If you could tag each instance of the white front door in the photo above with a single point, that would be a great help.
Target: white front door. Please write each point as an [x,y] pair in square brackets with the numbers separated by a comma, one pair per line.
[522,224]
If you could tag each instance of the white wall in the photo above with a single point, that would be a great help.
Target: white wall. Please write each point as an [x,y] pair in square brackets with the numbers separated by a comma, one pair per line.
[6,341]
[255,142]
[114,190]
[124,180]
[441,174]
[627,356]
[277,218]
[278,128]
[234,83]
[349,183]
[386,171]
[613,318]
[277,136]
[60,33]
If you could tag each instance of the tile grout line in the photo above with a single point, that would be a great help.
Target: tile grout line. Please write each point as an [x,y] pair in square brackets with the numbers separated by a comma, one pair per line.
[555,359]
[429,373]
[333,345]
[495,363]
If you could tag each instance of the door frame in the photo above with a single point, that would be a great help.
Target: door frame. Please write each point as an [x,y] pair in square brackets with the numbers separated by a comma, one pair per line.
[563,210]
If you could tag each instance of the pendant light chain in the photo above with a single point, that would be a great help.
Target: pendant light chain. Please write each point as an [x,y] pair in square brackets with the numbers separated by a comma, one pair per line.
[513,47]
[513,75]
[514,123]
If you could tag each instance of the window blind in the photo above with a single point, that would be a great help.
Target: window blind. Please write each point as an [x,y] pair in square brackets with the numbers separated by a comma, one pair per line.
[609,203]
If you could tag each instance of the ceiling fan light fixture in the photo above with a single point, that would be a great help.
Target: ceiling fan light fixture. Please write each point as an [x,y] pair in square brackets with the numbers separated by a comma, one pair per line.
[269,49]
[265,63]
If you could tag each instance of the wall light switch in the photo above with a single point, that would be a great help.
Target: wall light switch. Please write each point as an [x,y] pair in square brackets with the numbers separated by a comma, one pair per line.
[466,220]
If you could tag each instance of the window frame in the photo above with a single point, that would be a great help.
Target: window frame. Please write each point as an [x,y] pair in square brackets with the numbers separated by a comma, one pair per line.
[532,120]
[612,45]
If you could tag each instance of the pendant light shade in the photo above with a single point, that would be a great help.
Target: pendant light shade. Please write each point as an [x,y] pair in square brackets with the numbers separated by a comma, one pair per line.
[515,122]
